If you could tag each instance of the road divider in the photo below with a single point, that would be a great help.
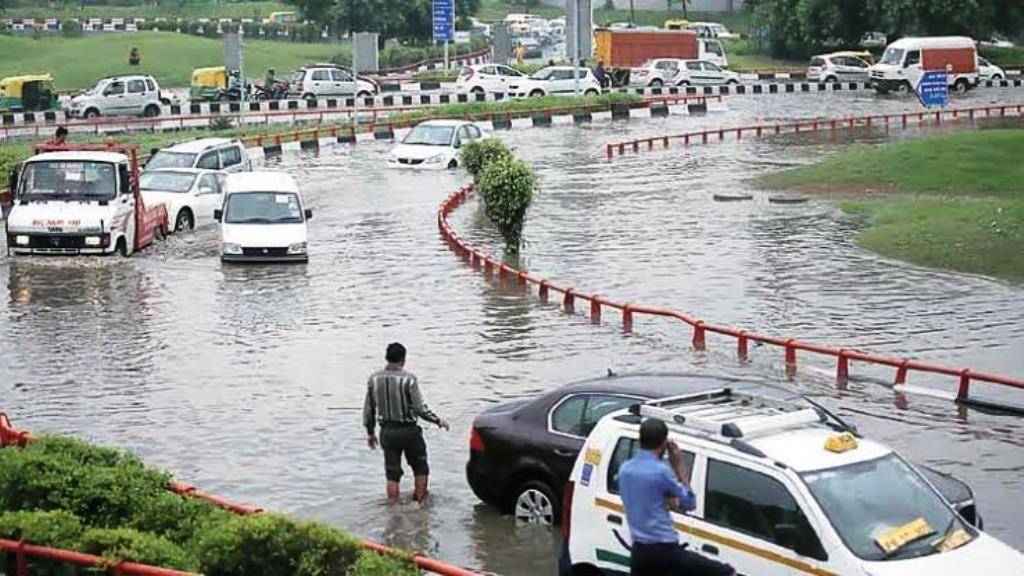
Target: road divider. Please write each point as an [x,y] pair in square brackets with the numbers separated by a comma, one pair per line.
[790,347]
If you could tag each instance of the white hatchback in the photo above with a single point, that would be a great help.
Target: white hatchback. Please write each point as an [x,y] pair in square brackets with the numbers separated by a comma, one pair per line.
[704,73]
[559,80]
[989,71]
[434,144]
[263,219]
[189,194]
[493,78]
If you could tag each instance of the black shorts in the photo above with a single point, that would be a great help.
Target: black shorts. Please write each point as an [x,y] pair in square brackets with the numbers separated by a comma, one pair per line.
[671,560]
[407,439]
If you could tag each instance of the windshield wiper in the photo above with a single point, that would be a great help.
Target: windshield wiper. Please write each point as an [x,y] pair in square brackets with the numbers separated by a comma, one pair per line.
[251,221]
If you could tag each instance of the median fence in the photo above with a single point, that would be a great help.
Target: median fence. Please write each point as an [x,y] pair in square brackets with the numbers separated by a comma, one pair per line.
[25,552]
[789,347]
[815,126]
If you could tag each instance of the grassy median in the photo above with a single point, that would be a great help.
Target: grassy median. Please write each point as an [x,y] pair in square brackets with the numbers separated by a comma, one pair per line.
[953,201]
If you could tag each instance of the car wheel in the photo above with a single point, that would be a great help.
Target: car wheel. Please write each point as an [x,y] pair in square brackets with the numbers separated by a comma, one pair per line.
[535,503]
[591,92]
[656,83]
[586,570]
[184,221]
[903,88]
[122,247]
[477,90]
[91,113]
[536,93]
[151,111]
[961,86]
[733,82]
[363,94]
[831,80]
[997,78]
[453,164]
[683,83]
[309,96]
[160,233]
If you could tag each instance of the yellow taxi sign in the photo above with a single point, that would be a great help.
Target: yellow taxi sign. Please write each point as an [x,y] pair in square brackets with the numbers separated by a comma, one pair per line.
[894,538]
[955,540]
[841,443]
[592,456]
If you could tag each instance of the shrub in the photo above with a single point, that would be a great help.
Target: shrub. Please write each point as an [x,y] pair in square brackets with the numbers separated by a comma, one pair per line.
[70,28]
[128,544]
[219,123]
[477,154]
[507,187]
[57,528]
[373,564]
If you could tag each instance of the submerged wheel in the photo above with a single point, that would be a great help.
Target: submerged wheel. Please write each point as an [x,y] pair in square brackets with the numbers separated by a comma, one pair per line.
[536,93]
[184,220]
[831,80]
[656,83]
[903,88]
[535,503]
[151,111]
[453,164]
[91,113]
[122,247]
[363,94]
[961,86]
[477,90]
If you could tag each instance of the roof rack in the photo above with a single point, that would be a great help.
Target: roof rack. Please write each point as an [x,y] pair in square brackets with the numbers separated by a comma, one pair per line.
[728,413]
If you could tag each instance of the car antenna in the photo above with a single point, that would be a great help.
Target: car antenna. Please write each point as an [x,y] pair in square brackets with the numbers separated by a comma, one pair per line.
[611,374]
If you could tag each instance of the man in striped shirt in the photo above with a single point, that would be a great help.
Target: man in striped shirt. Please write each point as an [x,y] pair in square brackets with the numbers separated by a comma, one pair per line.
[394,401]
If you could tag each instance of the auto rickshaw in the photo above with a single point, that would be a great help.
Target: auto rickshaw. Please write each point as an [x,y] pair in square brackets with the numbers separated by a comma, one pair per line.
[30,93]
[208,83]
[676,24]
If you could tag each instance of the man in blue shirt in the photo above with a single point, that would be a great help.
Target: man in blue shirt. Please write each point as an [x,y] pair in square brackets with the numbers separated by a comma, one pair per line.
[649,488]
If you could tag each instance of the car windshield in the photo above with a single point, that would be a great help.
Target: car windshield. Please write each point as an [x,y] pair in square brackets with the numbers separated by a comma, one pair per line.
[165,159]
[869,500]
[262,208]
[892,56]
[427,135]
[543,74]
[69,181]
[167,181]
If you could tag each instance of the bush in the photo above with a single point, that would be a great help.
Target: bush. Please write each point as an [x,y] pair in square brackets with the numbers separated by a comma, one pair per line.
[125,543]
[219,123]
[477,154]
[373,564]
[70,28]
[57,528]
[507,187]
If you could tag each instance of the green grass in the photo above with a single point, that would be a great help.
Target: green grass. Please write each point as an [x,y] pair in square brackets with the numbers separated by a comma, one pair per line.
[1004,56]
[953,201]
[170,57]
[174,9]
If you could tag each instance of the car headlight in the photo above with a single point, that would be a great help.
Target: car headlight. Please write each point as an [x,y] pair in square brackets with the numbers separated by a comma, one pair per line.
[436,159]
[93,240]
[229,248]
[297,248]
[21,240]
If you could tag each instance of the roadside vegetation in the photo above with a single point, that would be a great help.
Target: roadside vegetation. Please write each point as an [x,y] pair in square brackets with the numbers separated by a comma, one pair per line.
[174,9]
[64,493]
[491,10]
[506,185]
[948,201]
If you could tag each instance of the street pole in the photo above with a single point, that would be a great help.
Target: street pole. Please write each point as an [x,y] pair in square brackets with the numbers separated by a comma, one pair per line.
[576,48]
[243,93]
[632,15]
[446,54]
[355,72]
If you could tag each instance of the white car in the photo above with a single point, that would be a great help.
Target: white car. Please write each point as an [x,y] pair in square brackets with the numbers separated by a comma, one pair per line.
[263,219]
[190,195]
[434,144]
[711,30]
[704,73]
[221,154]
[782,488]
[873,40]
[328,80]
[989,71]
[996,41]
[558,80]
[118,96]
[493,78]
[838,67]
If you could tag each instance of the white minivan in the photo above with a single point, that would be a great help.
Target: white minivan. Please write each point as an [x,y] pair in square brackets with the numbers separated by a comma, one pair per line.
[263,219]
[782,488]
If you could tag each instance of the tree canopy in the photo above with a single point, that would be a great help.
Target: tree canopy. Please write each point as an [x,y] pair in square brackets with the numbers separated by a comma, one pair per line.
[403,19]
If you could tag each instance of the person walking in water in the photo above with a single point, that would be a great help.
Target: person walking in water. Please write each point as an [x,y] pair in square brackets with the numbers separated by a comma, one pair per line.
[393,400]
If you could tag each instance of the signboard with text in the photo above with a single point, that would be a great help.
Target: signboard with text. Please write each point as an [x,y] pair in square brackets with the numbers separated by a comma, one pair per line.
[933,89]
[444,20]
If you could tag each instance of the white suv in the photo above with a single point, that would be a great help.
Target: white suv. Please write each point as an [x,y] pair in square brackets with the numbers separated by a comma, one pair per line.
[781,488]
[221,154]
[325,80]
[118,96]
[558,80]
[481,78]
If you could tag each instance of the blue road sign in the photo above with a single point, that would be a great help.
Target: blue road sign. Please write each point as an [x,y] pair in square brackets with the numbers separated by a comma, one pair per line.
[444,20]
[933,90]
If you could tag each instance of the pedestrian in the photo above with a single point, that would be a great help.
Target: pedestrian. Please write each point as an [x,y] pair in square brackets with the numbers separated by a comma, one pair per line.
[60,136]
[649,488]
[394,401]
[133,57]
[600,74]
[520,53]
[269,81]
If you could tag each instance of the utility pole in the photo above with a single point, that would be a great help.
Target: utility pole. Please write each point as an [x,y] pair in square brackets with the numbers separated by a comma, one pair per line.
[576,47]
[632,15]
[355,71]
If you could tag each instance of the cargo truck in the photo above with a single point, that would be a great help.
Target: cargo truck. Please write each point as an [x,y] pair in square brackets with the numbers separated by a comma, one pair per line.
[907,58]
[622,50]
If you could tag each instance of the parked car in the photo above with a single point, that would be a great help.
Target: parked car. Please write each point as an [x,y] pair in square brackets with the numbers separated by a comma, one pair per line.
[328,80]
[779,490]
[702,72]
[118,96]
[521,452]
[996,41]
[837,67]
[263,219]
[558,80]
[873,39]
[221,154]
[494,78]
[434,144]
[989,71]
[190,195]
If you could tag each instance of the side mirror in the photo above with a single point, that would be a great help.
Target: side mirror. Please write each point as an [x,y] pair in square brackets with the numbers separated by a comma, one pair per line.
[309,213]
[457,144]
[218,214]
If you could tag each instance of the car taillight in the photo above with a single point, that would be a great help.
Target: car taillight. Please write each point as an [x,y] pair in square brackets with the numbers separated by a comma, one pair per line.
[476,443]
[567,510]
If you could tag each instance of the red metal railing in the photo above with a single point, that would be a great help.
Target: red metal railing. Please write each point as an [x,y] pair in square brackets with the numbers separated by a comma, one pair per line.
[886,121]
[479,259]
[10,436]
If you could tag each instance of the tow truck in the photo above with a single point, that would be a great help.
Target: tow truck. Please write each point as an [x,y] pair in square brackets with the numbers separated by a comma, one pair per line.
[81,199]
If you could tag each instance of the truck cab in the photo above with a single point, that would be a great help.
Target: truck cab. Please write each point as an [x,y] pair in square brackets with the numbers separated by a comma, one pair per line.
[905,60]
[80,200]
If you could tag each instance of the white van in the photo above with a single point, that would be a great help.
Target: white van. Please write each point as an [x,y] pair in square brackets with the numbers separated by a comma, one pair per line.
[263,219]
[781,488]
[907,58]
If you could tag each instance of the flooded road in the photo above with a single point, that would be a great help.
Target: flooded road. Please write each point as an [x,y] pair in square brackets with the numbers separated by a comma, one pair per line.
[249,381]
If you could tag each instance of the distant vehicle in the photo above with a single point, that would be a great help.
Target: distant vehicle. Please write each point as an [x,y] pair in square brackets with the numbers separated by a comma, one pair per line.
[831,68]
[482,78]
[283,17]
[190,195]
[676,24]
[221,154]
[660,72]
[79,199]
[434,144]
[263,219]
[532,48]
[118,96]
[989,71]
[873,39]
[996,41]
[312,82]
[710,30]
[907,58]
[621,50]
[621,25]
[558,80]
[30,93]
[519,23]
[215,83]
[481,29]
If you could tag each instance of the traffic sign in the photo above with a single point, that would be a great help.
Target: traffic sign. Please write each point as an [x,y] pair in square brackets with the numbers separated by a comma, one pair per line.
[444,20]
[933,89]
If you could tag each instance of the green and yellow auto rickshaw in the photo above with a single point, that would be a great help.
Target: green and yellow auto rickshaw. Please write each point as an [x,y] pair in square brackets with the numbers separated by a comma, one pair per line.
[209,83]
[30,93]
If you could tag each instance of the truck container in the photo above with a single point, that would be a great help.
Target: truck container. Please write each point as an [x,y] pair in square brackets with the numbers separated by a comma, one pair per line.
[622,50]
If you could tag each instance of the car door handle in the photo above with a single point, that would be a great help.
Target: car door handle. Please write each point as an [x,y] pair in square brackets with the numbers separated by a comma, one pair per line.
[567,453]
[617,520]
[708,548]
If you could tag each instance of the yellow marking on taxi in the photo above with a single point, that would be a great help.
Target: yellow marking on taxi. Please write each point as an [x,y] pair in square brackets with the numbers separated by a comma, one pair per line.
[730,542]
[840,443]
[955,540]
[592,456]
[894,538]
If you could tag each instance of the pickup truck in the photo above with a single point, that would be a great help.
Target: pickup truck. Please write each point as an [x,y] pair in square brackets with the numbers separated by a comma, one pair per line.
[81,199]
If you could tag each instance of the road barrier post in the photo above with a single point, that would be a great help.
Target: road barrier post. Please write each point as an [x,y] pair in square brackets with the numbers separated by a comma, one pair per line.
[569,301]
[699,341]
[627,319]
[595,309]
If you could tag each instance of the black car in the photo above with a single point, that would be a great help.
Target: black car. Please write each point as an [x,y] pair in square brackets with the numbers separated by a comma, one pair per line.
[521,453]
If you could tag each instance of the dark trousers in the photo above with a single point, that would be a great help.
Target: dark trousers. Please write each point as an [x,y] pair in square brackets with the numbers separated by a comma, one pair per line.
[398,439]
[671,559]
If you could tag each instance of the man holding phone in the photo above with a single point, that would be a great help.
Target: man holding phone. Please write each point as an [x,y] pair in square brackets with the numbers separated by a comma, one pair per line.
[650,488]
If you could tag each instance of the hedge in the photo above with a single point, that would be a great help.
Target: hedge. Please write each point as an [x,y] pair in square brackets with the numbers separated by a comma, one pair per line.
[67,494]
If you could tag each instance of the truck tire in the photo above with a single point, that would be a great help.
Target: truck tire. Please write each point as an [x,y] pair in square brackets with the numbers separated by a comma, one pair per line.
[961,86]
[591,92]
[309,96]
[683,83]
[91,113]
[151,111]
[904,87]
[477,90]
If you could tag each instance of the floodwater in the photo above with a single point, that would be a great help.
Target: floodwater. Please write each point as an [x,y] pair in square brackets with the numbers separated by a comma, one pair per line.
[248,381]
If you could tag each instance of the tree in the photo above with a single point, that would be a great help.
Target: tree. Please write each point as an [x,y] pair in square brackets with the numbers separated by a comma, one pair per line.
[403,19]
